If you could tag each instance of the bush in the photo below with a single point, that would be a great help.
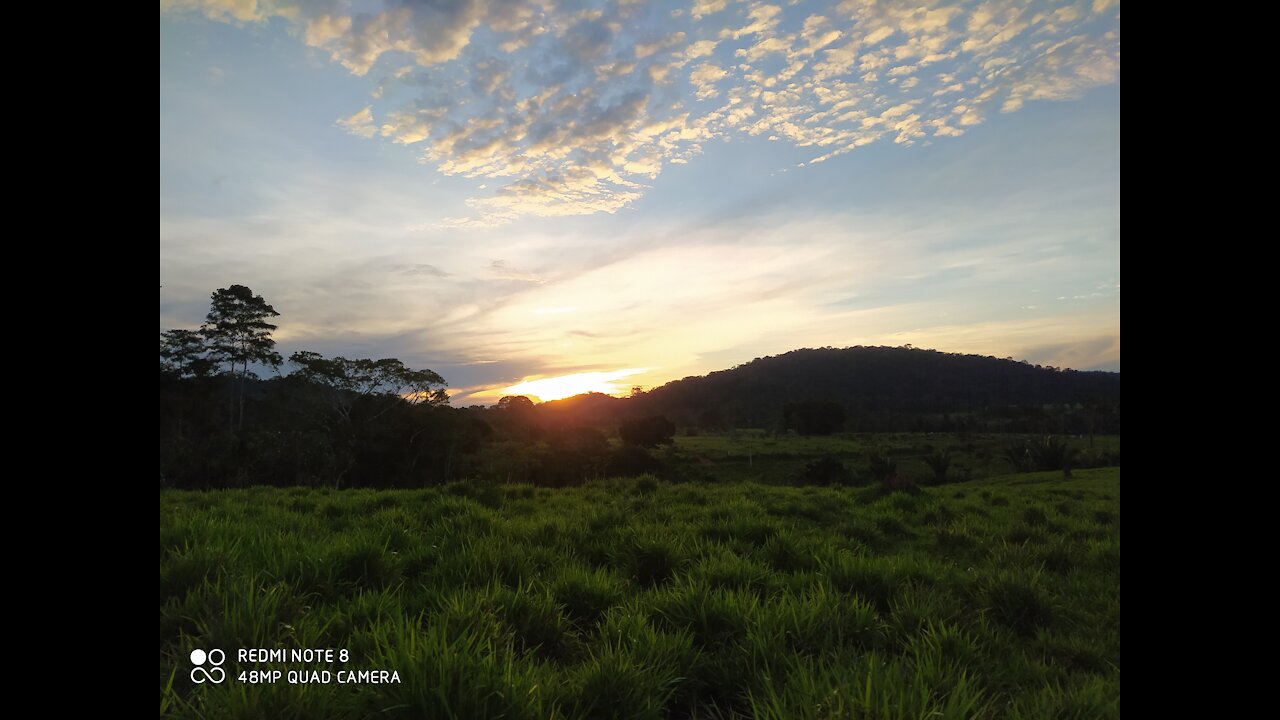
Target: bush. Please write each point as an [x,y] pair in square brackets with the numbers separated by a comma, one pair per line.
[1055,455]
[630,461]
[648,432]
[939,462]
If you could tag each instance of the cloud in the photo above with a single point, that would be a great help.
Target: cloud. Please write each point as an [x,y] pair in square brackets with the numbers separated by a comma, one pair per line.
[238,11]
[558,106]
[418,269]
[700,49]
[703,8]
[704,78]
[360,124]
[645,49]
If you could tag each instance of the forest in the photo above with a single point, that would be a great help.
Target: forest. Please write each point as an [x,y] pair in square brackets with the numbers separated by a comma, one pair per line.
[235,413]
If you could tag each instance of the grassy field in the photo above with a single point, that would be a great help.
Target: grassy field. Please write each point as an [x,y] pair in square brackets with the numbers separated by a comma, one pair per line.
[997,598]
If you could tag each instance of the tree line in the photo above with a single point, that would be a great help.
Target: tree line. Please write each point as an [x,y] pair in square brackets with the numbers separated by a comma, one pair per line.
[353,422]
[892,389]
[234,412]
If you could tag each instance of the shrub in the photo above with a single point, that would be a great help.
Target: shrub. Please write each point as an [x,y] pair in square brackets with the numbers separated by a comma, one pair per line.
[939,462]
[1055,455]
[648,432]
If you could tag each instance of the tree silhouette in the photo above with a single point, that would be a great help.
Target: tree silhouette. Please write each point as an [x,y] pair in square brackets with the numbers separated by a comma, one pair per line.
[648,432]
[183,352]
[376,386]
[814,417]
[238,334]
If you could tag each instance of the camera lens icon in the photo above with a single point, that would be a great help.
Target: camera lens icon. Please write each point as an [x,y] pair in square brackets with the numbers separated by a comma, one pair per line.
[214,674]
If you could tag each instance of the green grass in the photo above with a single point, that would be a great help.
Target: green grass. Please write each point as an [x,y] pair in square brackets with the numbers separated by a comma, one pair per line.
[997,598]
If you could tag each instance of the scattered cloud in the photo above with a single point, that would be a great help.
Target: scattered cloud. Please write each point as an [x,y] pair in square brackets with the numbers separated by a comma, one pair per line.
[361,123]
[568,109]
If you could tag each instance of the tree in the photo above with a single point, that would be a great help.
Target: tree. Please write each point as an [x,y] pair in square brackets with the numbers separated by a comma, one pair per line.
[648,432]
[238,334]
[182,356]
[814,417]
[387,377]
[516,403]
[519,417]
[183,352]
[375,386]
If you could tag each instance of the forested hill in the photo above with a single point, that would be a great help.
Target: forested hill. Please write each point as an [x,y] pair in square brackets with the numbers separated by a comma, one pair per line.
[885,388]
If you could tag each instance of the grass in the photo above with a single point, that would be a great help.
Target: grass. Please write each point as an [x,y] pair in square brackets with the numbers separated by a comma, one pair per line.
[996,598]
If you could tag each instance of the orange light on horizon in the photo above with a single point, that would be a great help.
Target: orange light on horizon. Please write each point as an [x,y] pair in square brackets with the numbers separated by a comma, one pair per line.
[563,386]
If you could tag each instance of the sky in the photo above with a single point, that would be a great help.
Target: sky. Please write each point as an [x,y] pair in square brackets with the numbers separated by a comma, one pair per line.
[546,198]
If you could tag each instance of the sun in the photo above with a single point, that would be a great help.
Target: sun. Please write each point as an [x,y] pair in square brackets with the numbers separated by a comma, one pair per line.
[563,386]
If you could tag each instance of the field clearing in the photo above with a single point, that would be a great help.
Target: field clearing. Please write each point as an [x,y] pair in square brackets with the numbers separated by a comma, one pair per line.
[997,598]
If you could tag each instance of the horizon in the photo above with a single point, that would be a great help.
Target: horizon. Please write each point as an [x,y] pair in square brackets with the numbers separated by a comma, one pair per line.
[603,196]
[623,393]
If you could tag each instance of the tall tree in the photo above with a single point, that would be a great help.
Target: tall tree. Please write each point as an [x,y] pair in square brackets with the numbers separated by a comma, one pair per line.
[378,386]
[238,334]
[182,352]
[183,355]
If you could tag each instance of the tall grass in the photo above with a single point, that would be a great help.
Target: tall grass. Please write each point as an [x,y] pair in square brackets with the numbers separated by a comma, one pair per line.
[654,600]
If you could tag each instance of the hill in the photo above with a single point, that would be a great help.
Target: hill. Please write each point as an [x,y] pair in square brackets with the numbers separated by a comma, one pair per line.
[890,389]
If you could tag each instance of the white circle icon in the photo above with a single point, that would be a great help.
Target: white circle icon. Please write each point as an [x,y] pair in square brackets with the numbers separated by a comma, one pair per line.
[214,674]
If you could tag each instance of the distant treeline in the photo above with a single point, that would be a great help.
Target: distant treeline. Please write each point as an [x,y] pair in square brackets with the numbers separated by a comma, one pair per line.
[876,389]
[341,422]
[885,389]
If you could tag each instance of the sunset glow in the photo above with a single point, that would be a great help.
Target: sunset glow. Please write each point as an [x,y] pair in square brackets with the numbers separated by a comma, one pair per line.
[556,388]
[508,192]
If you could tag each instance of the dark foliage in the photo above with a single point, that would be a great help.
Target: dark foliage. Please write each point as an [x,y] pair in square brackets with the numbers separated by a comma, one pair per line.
[333,421]
[631,460]
[814,417]
[939,462]
[648,432]
[888,389]
[359,422]
[571,457]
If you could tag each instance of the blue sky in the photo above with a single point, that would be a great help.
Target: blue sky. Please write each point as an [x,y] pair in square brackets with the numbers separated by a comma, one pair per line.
[510,193]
